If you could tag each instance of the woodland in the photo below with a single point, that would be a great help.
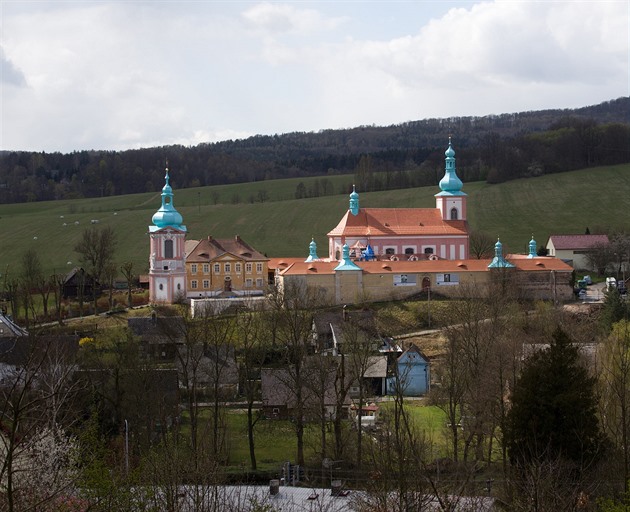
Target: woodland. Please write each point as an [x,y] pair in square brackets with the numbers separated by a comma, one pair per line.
[497,148]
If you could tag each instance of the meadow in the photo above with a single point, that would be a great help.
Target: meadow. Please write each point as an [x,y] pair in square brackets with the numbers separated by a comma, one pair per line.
[597,198]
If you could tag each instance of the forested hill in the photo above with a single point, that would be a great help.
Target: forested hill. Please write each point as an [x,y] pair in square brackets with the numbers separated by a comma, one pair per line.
[494,148]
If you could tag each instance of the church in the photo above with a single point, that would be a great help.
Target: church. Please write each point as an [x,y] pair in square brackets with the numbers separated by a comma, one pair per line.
[374,254]
[407,233]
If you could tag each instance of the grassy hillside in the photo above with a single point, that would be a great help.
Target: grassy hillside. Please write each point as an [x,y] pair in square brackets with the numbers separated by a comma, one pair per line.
[282,226]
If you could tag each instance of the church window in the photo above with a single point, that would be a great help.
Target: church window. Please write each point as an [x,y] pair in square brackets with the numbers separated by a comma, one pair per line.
[454,214]
[409,250]
[206,268]
[428,250]
[179,286]
[217,268]
[161,287]
[193,284]
[193,268]
[168,248]
[390,250]
[248,268]
[228,268]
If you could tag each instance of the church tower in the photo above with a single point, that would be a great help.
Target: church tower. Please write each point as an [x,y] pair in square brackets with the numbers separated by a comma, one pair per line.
[451,201]
[167,270]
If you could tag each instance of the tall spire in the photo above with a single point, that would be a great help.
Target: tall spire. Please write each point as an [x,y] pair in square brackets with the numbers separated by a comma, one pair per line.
[450,183]
[354,202]
[167,215]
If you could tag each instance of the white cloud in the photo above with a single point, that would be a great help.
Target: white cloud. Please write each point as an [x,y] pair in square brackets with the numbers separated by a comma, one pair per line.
[114,75]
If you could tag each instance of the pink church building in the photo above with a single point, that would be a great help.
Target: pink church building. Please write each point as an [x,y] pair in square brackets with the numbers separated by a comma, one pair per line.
[407,233]
[167,269]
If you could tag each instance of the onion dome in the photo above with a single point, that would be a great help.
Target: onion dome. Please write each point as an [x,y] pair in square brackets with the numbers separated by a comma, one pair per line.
[167,215]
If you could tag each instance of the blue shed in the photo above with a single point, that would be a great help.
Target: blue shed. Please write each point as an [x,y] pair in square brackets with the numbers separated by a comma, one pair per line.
[412,373]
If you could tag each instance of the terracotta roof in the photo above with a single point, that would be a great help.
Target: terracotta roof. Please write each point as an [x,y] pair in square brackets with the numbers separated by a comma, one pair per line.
[577,241]
[210,249]
[426,266]
[397,221]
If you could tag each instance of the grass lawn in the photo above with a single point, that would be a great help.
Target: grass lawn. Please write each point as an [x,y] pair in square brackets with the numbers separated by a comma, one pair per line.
[283,226]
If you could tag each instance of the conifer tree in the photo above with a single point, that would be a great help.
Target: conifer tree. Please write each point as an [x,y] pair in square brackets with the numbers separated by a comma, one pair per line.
[553,409]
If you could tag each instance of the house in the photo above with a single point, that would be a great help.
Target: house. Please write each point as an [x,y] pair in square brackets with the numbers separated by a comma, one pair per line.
[78,283]
[412,375]
[225,267]
[318,377]
[407,233]
[369,414]
[374,377]
[329,328]
[159,336]
[573,249]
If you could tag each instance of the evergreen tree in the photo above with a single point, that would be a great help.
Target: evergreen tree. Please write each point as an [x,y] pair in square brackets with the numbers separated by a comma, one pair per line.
[553,410]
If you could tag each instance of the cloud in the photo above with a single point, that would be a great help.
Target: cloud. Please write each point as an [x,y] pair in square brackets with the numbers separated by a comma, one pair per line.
[9,74]
[113,75]
[277,19]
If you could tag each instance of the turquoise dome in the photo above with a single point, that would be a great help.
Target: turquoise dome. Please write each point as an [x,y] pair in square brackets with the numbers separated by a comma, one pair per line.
[450,183]
[167,215]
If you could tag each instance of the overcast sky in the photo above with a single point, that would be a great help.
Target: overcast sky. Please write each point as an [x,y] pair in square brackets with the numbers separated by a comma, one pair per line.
[121,74]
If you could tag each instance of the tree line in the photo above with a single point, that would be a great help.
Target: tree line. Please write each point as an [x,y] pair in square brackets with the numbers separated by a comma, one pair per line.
[492,148]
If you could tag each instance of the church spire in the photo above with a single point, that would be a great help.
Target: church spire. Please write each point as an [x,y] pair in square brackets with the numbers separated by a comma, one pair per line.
[354,202]
[167,215]
[450,183]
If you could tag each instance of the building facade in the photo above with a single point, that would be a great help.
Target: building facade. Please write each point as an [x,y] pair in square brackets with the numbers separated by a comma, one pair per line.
[167,272]
[407,233]
[225,267]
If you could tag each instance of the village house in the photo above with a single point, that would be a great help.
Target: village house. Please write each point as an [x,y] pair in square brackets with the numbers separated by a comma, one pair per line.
[574,249]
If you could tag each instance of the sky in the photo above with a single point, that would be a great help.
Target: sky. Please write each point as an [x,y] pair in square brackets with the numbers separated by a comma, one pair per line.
[115,75]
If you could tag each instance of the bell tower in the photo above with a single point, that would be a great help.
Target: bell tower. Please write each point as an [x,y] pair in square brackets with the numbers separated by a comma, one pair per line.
[167,270]
[451,201]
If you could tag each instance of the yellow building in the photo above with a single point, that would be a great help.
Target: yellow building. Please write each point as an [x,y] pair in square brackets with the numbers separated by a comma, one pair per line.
[224,268]
[351,281]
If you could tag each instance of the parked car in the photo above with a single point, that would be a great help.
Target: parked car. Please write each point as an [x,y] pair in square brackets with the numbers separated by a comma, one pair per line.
[587,280]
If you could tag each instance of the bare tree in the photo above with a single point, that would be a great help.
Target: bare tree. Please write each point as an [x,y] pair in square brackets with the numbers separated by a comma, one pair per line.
[96,252]
[481,245]
[30,402]
[127,272]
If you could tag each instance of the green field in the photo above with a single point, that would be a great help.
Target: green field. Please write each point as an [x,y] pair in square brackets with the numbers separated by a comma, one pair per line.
[283,226]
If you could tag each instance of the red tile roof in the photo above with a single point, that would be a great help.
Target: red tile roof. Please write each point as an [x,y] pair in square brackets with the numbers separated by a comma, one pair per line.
[564,242]
[397,221]
[426,266]
[210,248]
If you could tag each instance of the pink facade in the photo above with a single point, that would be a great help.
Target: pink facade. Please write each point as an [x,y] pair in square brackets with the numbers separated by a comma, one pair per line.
[167,272]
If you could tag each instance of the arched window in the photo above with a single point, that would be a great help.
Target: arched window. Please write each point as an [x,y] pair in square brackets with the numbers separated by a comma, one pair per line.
[390,250]
[161,287]
[426,284]
[428,250]
[409,250]
[168,248]
[454,214]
